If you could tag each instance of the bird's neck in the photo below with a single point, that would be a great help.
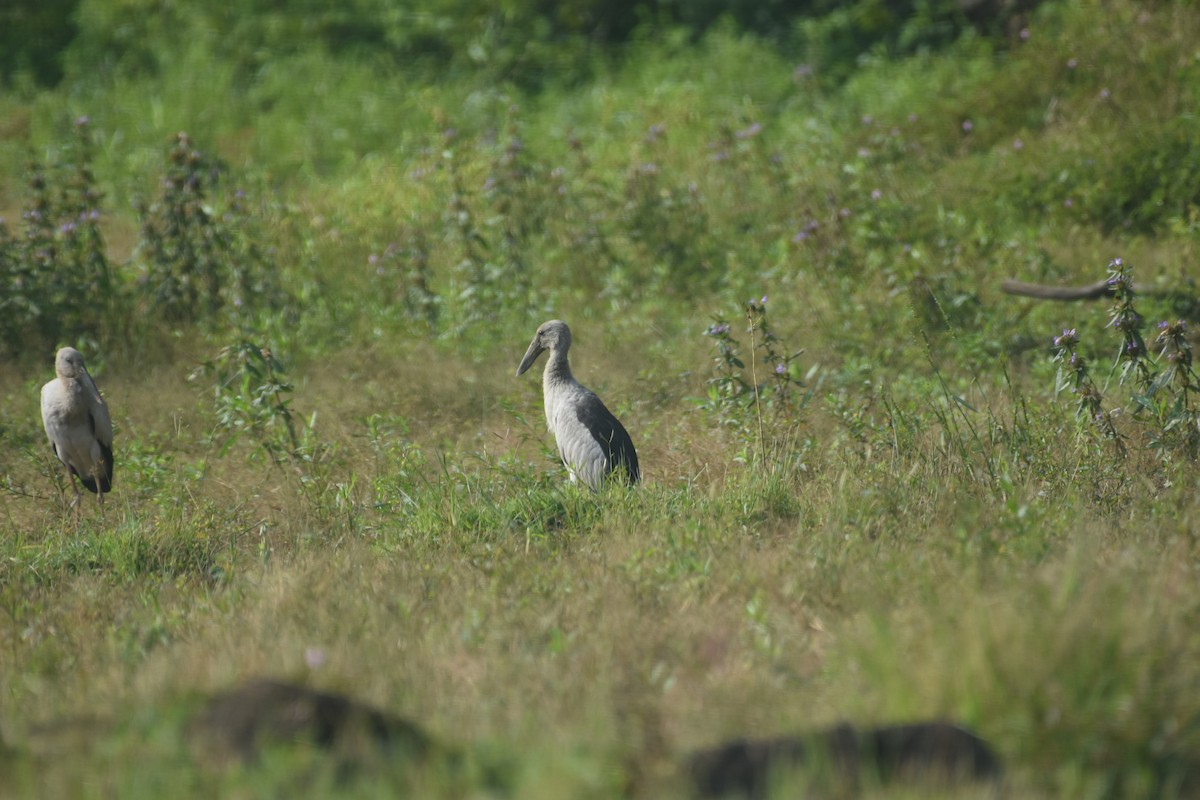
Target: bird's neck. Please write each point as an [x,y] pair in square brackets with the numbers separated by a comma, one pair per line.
[558,369]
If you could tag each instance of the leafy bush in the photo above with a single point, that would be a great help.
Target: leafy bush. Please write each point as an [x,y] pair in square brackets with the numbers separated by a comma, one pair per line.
[526,42]
[251,397]
[33,37]
[1139,184]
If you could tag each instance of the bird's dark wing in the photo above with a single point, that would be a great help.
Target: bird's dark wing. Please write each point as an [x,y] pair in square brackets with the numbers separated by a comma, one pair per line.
[611,436]
[106,479]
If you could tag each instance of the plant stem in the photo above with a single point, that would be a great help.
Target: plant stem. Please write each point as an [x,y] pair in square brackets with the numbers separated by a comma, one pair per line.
[762,441]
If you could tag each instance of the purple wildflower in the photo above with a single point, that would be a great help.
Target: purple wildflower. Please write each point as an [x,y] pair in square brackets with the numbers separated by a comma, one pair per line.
[314,657]
[749,132]
[1068,338]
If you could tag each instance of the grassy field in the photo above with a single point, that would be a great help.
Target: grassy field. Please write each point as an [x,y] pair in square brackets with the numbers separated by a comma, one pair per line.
[877,488]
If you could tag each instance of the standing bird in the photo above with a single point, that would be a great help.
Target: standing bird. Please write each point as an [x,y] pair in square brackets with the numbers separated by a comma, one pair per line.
[78,425]
[591,441]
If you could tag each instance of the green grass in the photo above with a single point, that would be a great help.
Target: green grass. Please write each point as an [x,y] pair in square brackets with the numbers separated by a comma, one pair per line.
[920,528]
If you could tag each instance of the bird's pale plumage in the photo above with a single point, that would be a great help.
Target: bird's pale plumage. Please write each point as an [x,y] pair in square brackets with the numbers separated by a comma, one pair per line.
[77,423]
[591,441]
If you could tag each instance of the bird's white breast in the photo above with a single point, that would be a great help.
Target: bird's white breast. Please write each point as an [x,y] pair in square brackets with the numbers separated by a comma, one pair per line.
[65,417]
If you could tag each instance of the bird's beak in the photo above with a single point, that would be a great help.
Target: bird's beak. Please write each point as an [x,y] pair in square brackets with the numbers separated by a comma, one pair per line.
[535,350]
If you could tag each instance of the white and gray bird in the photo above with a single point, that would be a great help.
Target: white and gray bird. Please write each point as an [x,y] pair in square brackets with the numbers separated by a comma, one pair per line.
[591,441]
[77,424]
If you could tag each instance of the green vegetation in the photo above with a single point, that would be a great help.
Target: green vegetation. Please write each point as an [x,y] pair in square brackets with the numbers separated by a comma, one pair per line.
[303,250]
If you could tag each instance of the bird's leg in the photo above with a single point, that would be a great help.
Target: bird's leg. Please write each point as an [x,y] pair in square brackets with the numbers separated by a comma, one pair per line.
[75,503]
[72,484]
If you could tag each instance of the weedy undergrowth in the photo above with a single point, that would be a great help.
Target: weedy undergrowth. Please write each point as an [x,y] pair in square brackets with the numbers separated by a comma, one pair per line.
[252,397]
[201,258]
[204,257]
[1161,391]
[57,280]
[763,401]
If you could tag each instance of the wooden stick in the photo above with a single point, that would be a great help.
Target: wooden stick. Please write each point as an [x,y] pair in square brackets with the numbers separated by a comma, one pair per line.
[1093,291]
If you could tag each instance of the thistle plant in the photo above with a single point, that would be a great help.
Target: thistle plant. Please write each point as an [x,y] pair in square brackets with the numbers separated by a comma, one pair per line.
[762,397]
[1172,393]
[201,251]
[1163,390]
[463,230]
[60,255]
[1074,374]
[181,244]
[1132,356]
[404,273]
[1176,351]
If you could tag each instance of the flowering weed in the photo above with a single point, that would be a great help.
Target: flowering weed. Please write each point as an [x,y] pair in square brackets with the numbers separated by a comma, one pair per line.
[763,401]
[1162,390]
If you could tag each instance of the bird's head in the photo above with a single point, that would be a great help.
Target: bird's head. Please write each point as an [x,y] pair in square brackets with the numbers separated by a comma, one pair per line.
[552,335]
[68,363]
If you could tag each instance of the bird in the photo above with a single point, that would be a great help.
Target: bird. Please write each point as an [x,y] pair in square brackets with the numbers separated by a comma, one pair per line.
[78,425]
[592,443]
